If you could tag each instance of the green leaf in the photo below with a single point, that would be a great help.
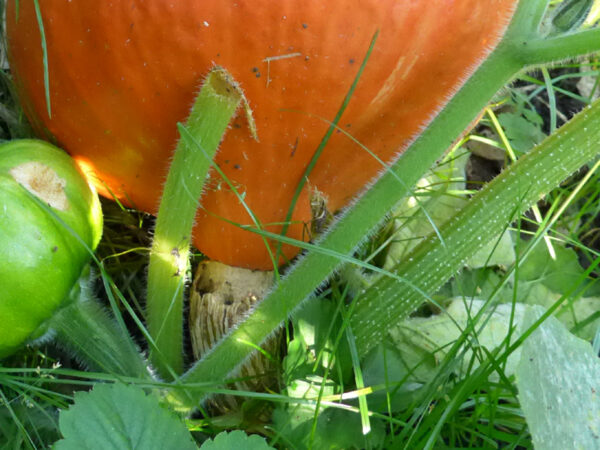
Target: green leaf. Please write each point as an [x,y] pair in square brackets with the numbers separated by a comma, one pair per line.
[316,368]
[558,378]
[497,252]
[434,336]
[435,260]
[539,280]
[572,311]
[402,371]
[235,440]
[117,416]
[294,421]
[556,273]
[419,348]
[522,132]
[478,283]
[25,423]
[336,429]
[433,202]
[315,330]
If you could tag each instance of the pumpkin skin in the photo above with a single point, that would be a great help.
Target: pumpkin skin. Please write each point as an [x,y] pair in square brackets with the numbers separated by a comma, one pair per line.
[41,261]
[123,73]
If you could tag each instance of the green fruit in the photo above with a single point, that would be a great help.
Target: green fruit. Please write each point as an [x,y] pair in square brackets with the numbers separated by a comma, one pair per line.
[50,222]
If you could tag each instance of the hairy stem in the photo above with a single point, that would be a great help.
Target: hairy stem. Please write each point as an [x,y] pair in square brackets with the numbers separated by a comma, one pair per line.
[215,106]
[541,51]
[87,330]
[434,261]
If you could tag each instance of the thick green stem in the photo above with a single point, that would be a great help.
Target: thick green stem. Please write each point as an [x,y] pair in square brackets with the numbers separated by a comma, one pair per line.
[529,19]
[543,51]
[86,329]
[215,105]
[434,261]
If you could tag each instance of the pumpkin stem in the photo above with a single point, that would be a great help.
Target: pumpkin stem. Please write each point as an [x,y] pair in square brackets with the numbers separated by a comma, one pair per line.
[220,298]
[215,106]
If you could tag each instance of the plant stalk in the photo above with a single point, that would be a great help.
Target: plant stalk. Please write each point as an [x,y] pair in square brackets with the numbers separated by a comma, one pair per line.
[213,109]
[434,261]
[87,330]
[544,51]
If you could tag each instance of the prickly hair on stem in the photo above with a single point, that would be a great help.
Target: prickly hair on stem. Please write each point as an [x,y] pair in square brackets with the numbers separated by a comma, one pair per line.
[216,104]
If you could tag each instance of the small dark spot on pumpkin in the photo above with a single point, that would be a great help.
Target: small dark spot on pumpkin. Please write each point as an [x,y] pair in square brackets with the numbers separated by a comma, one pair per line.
[226,161]
[236,125]
[348,125]
[305,26]
[237,166]
[351,61]
[54,249]
[255,69]
[306,58]
[257,74]
[294,147]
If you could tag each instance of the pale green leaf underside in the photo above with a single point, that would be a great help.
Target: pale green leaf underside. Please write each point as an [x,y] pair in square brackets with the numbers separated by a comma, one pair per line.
[558,378]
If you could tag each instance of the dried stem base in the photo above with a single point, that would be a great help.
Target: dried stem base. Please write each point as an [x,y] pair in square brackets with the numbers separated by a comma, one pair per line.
[221,297]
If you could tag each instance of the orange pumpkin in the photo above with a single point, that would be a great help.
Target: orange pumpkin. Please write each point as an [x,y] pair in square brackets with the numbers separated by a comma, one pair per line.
[122,73]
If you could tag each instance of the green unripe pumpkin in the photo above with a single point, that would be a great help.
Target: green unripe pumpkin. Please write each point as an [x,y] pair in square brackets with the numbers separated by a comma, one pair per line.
[50,221]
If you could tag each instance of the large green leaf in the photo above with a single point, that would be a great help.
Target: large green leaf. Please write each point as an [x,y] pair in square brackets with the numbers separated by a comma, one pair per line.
[116,416]
[558,378]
